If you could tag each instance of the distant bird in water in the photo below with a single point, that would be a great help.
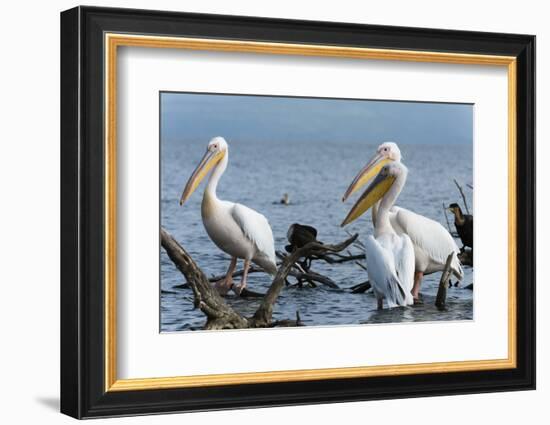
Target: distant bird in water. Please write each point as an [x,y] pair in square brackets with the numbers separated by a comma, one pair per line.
[285,200]
[234,228]
[464,224]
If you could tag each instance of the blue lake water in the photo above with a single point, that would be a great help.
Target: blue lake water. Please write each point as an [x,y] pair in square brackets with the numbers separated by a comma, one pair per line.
[315,175]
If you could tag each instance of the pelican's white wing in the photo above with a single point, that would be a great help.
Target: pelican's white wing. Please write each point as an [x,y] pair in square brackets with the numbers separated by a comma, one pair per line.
[430,239]
[257,229]
[403,251]
[382,273]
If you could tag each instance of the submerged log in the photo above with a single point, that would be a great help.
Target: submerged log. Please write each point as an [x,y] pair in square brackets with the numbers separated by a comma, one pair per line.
[218,313]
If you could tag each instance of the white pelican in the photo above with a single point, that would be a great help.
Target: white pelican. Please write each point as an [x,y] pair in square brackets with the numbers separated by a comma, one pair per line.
[432,242]
[237,230]
[390,257]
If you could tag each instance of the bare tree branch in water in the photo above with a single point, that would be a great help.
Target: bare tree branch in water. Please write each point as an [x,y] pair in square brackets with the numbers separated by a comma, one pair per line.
[463,196]
[361,287]
[446,218]
[218,313]
[296,272]
[263,315]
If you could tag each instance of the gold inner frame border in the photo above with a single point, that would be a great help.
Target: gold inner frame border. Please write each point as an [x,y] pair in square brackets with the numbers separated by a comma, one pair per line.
[113,41]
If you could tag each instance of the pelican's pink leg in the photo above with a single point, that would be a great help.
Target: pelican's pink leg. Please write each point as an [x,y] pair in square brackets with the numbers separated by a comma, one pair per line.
[238,289]
[223,286]
[417,282]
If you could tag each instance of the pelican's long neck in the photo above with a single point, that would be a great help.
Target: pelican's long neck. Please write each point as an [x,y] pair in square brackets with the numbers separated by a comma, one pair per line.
[376,206]
[381,217]
[375,212]
[210,198]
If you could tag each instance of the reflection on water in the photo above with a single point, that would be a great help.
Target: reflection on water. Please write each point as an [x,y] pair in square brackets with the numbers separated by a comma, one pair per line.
[315,175]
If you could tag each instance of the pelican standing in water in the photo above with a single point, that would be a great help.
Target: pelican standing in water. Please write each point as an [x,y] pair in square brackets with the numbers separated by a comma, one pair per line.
[389,256]
[431,241]
[236,229]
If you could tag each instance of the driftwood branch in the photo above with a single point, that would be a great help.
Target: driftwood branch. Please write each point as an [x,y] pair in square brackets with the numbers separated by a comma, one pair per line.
[357,242]
[313,277]
[263,315]
[446,218]
[361,287]
[360,245]
[303,272]
[338,258]
[298,274]
[441,297]
[463,196]
[218,313]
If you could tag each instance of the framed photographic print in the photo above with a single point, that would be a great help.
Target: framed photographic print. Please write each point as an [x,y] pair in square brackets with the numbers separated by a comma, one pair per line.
[261,212]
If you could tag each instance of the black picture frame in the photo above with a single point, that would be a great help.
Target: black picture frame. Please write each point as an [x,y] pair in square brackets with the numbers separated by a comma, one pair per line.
[82,218]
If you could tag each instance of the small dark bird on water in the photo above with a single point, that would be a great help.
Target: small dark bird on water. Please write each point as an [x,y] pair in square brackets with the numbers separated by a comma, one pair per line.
[464,224]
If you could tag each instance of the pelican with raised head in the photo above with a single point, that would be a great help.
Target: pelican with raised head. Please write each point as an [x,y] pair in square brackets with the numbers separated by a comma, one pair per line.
[236,229]
[431,241]
[389,256]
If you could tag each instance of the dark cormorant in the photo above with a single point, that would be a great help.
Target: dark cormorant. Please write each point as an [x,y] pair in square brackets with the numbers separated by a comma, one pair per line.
[464,224]
[300,235]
